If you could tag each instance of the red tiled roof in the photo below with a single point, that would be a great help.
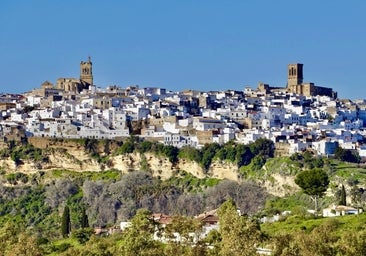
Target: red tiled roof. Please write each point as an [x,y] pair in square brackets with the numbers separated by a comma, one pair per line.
[162,218]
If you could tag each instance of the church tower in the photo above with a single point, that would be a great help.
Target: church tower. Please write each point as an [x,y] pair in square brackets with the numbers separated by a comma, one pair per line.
[295,75]
[86,71]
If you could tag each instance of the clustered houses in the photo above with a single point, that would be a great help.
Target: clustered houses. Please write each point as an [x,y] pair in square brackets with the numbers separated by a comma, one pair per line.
[75,108]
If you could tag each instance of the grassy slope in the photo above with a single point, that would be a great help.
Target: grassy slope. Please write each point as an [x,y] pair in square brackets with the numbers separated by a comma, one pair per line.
[293,224]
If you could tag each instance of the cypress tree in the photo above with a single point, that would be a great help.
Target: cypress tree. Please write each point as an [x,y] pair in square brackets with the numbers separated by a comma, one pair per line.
[66,224]
[84,219]
[343,196]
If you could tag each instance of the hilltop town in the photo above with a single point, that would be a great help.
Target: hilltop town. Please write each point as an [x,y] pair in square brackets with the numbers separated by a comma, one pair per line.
[297,117]
[94,154]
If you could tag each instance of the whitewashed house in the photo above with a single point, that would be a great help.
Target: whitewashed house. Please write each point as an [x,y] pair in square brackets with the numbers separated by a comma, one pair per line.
[325,147]
[206,124]
[340,210]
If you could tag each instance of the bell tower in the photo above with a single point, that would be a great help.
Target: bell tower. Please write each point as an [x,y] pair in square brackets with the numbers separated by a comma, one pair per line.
[86,71]
[295,75]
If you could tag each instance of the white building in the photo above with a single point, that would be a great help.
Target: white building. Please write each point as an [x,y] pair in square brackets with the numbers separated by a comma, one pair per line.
[206,124]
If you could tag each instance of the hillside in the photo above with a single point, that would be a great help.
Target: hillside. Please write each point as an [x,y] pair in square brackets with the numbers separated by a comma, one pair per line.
[109,181]
[276,175]
[71,155]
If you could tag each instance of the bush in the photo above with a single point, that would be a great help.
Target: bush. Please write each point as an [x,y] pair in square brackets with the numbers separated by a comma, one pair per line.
[190,153]
[171,153]
[208,153]
[258,162]
[14,178]
[82,235]
[126,148]
[61,247]
[347,155]
[144,146]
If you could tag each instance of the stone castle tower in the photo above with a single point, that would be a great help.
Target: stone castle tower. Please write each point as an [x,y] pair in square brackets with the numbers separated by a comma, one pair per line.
[295,74]
[86,71]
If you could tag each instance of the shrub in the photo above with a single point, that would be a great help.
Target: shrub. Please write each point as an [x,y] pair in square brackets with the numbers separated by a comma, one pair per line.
[82,235]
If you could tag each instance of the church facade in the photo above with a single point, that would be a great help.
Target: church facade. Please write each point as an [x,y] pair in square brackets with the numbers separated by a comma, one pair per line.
[296,85]
[76,85]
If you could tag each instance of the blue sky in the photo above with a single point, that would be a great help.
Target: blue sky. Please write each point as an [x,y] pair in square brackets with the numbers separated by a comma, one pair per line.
[187,44]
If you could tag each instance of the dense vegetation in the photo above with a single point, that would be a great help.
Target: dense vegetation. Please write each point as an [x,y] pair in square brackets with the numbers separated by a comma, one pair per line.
[58,203]
[54,212]
[109,201]
[237,235]
[236,153]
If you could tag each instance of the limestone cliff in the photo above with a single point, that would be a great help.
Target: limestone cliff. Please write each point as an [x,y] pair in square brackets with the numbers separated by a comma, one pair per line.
[74,157]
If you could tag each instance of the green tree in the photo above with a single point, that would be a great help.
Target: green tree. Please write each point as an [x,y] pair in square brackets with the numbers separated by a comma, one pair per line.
[243,155]
[343,196]
[127,147]
[284,245]
[356,196]
[8,236]
[190,153]
[308,159]
[262,147]
[186,245]
[213,239]
[318,162]
[231,153]
[239,234]
[296,157]
[97,245]
[320,241]
[258,162]
[65,222]
[84,219]
[82,235]
[144,146]
[353,244]
[138,239]
[171,153]
[347,155]
[221,153]
[314,183]
[26,246]
[208,153]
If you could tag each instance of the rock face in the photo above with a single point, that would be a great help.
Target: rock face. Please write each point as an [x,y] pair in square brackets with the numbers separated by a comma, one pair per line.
[224,170]
[157,165]
[73,156]
[280,185]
